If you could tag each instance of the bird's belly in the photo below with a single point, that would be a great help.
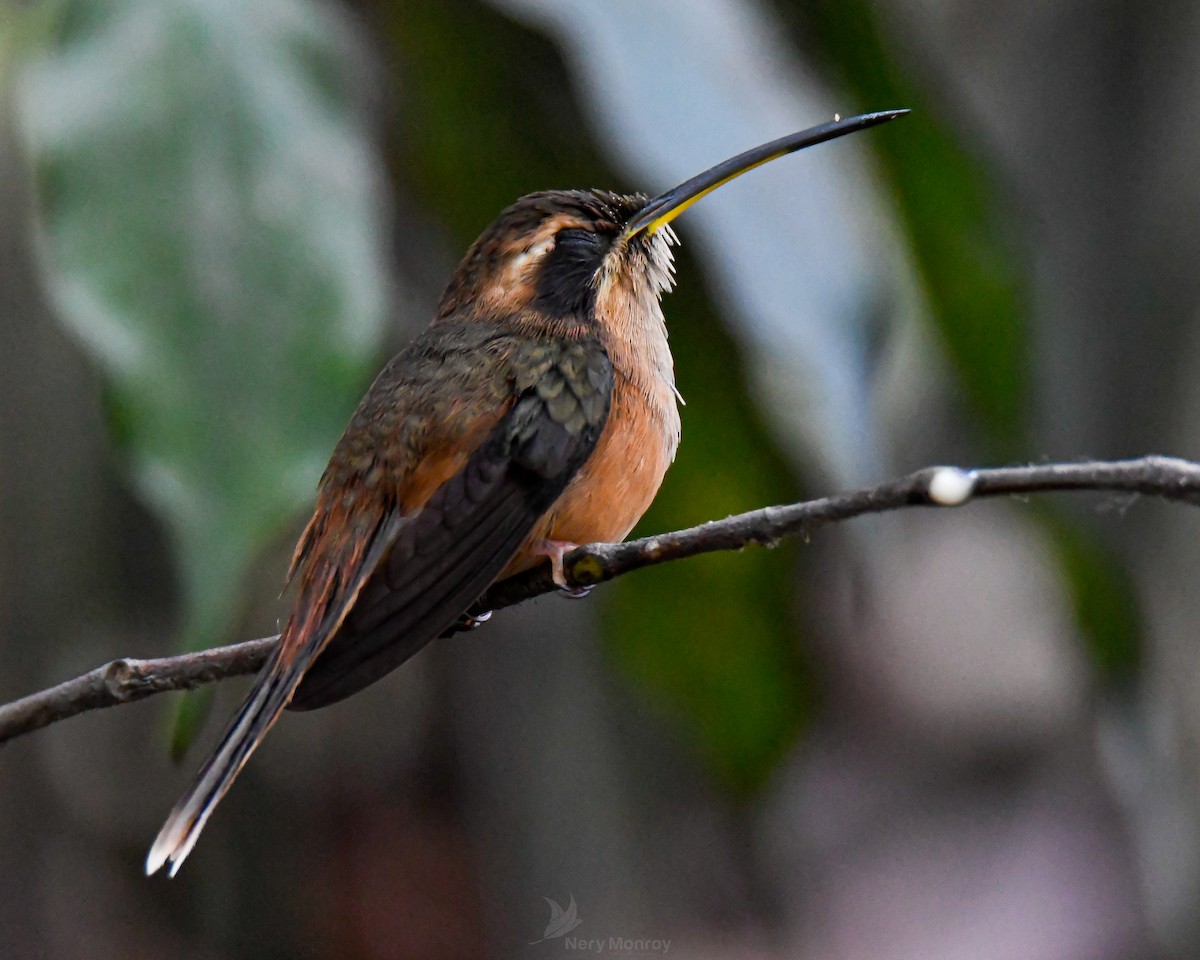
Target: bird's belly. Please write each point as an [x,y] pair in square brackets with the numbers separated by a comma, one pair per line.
[616,485]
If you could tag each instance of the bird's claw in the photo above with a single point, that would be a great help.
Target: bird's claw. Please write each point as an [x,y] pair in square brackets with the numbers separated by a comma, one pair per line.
[473,620]
[556,550]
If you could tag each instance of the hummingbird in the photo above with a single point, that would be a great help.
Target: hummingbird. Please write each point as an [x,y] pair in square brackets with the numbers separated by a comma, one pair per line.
[537,412]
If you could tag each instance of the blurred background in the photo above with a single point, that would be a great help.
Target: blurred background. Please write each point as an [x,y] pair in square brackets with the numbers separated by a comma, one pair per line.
[956,734]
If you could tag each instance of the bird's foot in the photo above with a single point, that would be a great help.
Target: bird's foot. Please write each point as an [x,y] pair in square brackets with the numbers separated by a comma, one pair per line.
[471,621]
[468,622]
[556,550]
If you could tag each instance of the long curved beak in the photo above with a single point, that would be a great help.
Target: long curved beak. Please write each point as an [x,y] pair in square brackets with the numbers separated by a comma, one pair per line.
[663,209]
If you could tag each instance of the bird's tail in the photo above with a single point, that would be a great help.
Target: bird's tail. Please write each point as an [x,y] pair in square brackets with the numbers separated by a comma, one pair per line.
[335,568]
[257,715]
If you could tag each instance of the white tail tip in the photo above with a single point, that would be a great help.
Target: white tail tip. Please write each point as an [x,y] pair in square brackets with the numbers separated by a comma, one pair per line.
[173,844]
[159,853]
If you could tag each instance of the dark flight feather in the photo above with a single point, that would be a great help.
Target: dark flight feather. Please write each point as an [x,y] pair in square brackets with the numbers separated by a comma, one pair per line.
[445,557]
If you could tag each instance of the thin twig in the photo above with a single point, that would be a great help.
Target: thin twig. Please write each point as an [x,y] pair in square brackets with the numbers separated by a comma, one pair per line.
[126,680]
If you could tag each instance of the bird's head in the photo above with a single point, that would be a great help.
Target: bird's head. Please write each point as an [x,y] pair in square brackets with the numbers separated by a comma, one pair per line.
[549,253]
[561,259]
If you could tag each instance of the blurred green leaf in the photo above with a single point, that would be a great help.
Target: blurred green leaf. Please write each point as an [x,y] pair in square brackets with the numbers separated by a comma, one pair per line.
[210,209]
[972,278]
[974,281]
[715,637]
[1104,597]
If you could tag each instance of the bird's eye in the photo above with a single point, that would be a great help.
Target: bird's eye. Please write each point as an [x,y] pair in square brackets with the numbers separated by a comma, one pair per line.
[565,278]
[576,239]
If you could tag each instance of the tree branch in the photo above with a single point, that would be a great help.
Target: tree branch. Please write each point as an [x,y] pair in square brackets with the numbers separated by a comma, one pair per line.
[126,680]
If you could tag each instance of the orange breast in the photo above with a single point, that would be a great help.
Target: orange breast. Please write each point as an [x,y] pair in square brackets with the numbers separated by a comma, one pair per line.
[616,485]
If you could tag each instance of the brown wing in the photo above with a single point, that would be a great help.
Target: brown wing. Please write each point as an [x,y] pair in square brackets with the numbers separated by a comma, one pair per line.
[445,555]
